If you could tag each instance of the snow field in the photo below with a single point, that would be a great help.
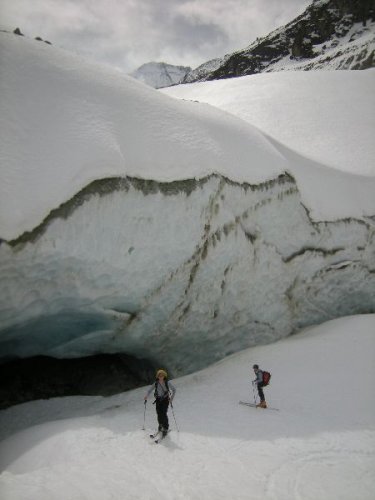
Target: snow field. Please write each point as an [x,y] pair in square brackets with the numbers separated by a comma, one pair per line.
[321,444]
[306,111]
[67,122]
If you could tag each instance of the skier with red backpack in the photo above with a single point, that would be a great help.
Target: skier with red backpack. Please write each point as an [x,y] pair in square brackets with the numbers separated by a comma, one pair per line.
[262,380]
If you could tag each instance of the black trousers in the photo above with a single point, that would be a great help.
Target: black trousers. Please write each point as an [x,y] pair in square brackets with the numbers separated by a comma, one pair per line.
[260,391]
[161,410]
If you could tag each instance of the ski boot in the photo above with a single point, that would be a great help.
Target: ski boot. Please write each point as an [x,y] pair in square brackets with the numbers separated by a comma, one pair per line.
[262,404]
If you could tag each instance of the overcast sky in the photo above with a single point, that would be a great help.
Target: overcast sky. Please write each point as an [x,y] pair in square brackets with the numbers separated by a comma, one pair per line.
[129,33]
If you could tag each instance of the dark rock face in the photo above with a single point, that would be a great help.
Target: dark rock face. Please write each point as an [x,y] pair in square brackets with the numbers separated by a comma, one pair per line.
[323,21]
[43,377]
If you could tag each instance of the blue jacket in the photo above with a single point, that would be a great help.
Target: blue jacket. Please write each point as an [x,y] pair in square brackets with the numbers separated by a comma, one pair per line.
[259,377]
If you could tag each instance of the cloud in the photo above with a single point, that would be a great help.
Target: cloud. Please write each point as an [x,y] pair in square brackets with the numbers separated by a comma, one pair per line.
[128,33]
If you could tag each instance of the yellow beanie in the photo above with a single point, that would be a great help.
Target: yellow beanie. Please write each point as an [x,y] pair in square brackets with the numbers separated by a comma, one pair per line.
[161,372]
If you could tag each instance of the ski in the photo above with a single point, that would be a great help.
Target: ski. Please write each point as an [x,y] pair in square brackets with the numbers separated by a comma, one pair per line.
[253,405]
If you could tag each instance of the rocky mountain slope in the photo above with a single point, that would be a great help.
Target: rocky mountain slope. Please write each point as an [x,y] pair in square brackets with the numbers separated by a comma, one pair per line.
[330,34]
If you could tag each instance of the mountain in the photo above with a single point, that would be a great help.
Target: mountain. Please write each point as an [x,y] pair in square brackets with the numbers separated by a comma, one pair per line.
[159,74]
[172,231]
[200,73]
[330,34]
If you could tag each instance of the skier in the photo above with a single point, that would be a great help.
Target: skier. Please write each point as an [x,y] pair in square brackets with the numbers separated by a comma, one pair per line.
[164,392]
[259,382]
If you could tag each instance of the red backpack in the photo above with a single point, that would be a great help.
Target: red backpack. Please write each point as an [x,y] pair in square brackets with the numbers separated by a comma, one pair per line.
[266,378]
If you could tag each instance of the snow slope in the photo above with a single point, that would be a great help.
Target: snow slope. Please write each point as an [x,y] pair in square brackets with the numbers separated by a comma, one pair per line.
[65,122]
[321,444]
[322,122]
[327,116]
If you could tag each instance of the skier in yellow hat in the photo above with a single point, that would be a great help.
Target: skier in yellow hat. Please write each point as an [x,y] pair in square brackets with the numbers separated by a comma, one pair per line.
[164,392]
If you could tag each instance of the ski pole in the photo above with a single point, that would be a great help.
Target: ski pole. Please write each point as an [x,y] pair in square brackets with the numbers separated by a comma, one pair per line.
[144,416]
[255,399]
[174,417]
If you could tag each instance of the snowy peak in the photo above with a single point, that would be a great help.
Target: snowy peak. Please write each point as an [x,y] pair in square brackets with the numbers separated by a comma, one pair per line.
[160,74]
[330,34]
[200,73]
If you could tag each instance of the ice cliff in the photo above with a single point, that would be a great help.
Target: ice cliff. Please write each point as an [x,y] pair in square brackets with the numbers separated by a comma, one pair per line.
[180,273]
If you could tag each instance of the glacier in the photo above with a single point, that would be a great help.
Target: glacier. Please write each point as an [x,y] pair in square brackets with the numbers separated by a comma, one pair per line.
[132,222]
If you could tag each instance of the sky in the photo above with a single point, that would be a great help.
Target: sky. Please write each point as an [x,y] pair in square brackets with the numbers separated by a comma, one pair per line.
[129,33]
